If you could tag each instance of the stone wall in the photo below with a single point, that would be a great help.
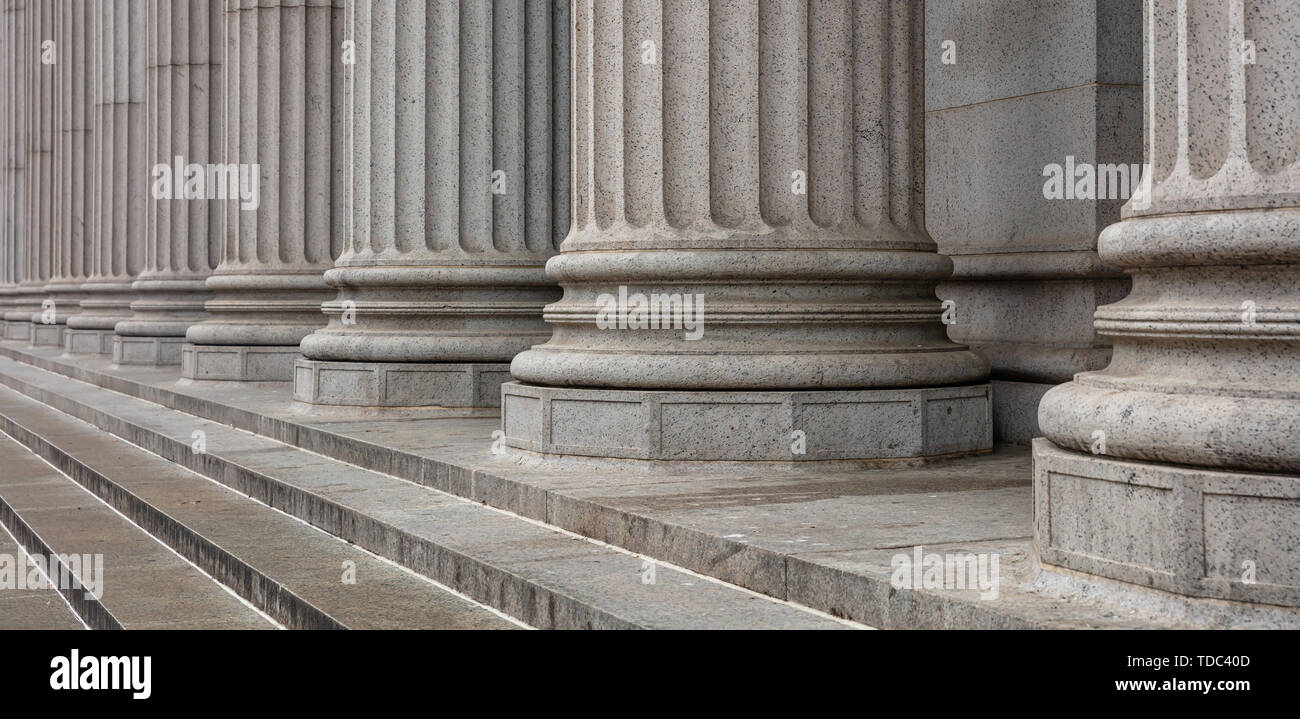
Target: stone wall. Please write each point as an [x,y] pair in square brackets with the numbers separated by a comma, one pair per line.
[1021,86]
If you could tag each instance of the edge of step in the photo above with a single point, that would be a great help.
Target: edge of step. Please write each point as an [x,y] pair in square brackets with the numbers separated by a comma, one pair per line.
[201,593]
[528,599]
[860,598]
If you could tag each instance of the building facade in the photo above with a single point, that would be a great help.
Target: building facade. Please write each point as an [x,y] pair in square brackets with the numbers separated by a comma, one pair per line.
[708,236]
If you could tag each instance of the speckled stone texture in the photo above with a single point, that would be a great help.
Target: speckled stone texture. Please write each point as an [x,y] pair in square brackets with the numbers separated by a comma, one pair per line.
[72,181]
[32,121]
[13,157]
[1025,85]
[405,384]
[286,110]
[117,205]
[747,426]
[238,363]
[1206,368]
[184,114]
[459,132]
[93,342]
[798,219]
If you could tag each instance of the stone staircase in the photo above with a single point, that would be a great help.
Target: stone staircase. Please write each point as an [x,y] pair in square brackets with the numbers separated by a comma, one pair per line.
[205,525]
[406,518]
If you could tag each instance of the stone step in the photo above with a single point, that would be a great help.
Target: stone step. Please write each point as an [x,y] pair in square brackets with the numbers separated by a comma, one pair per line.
[28,607]
[816,537]
[537,574]
[300,576]
[141,583]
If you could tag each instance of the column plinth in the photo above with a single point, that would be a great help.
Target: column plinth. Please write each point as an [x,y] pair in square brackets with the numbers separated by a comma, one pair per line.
[748,275]
[460,140]
[183,113]
[1177,466]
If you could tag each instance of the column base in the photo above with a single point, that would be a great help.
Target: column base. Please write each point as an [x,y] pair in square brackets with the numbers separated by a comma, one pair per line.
[149,351]
[20,330]
[399,384]
[1197,532]
[47,335]
[88,342]
[238,363]
[748,425]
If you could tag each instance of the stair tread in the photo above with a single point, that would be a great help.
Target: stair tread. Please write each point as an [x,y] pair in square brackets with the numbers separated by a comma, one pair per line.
[436,533]
[145,586]
[305,561]
[28,608]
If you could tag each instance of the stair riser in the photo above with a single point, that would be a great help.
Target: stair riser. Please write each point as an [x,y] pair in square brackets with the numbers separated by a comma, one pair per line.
[255,587]
[518,597]
[743,565]
[90,610]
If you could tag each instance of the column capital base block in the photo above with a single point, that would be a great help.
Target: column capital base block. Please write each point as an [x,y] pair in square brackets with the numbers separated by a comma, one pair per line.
[1192,531]
[399,384]
[884,424]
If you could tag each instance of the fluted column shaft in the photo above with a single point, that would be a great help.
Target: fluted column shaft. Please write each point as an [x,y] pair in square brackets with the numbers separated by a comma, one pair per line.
[458,187]
[37,106]
[15,162]
[118,175]
[771,160]
[1206,364]
[285,115]
[71,143]
[183,112]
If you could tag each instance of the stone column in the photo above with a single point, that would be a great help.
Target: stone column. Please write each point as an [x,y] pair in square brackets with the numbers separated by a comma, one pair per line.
[72,144]
[459,135]
[1178,466]
[37,104]
[183,113]
[284,100]
[748,275]
[14,57]
[118,176]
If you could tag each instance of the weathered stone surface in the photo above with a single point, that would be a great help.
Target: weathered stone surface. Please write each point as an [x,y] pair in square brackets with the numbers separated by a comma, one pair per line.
[184,110]
[462,120]
[1206,366]
[544,577]
[803,251]
[747,426]
[32,24]
[822,538]
[405,384]
[117,210]
[144,585]
[285,96]
[1002,105]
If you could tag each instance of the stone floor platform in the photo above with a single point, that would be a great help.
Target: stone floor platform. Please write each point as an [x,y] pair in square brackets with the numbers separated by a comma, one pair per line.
[827,537]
